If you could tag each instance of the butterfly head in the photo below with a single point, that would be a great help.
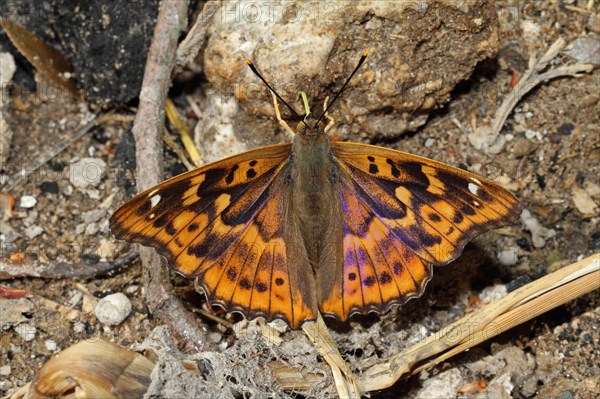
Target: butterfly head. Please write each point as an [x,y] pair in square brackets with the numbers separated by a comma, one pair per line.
[310,126]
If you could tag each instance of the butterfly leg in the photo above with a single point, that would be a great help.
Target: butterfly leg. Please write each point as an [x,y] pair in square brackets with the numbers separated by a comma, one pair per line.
[279,119]
[330,119]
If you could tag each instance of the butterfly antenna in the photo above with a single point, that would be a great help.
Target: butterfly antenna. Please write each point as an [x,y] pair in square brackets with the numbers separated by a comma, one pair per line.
[360,62]
[253,68]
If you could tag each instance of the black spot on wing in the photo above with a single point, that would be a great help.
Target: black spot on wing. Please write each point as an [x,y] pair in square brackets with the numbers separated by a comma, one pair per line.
[231,175]
[369,281]
[261,287]
[231,274]
[245,284]
[393,169]
[385,278]
[210,184]
[373,169]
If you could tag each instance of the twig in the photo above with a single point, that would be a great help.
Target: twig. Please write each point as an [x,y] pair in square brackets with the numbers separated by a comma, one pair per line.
[148,129]
[515,308]
[10,269]
[486,137]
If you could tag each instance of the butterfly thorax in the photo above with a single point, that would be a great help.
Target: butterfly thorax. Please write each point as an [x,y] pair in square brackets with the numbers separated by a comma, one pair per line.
[312,193]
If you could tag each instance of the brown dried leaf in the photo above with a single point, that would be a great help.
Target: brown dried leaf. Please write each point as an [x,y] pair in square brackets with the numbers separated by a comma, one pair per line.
[45,58]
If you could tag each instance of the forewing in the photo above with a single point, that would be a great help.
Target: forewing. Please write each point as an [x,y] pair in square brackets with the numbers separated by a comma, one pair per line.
[224,223]
[402,214]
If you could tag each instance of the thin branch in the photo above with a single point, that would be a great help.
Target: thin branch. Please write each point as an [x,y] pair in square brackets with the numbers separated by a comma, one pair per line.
[486,137]
[10,269]
[148,130]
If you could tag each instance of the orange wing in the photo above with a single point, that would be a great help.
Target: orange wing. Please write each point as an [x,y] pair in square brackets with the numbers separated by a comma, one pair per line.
[224,224]
[402,214]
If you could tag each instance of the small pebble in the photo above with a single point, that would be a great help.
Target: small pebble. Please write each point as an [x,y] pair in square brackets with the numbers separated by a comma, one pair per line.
[565,129]
[78,327]
[50,345]
[88,172]
[91,229]
[50,187]
[75,299]
[429,142]
[132,289]
[33,231]
[539,233]
[26,331]
[508,257]
[113,309]
[5,370]
[27,201]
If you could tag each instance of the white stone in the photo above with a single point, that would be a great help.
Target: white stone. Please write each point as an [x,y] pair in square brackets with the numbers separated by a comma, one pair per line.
[508,257]
[87,172]
[27,201]
[50,345]
[113,309]
[5,370]
[26,331]
[78,327]
[33,231]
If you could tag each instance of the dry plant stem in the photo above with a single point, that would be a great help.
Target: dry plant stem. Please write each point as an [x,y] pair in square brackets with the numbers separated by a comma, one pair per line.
[345,383]
[176,148]
[531,79]
[515,308]
[10,269]
[148,130]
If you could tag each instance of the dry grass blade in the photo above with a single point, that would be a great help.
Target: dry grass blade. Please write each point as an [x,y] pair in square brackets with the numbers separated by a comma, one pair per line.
[184,134]
[91,369]
[517,307]
[46,59]
[344,381]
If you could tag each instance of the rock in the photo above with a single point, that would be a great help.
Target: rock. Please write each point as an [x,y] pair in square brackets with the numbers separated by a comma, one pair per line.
[27,201]
[583,201]
[26,331]
[418,54]
[12,310]
[87,172]
[49,187]
[7,233]
[113,309]
[586,50]
[50,345]
[7,70]
[78,327]
[443,385]
[5,370]
[508,257]
[33,231]
[539,233]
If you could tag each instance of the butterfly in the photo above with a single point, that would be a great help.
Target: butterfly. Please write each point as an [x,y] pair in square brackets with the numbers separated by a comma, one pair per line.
[290,230]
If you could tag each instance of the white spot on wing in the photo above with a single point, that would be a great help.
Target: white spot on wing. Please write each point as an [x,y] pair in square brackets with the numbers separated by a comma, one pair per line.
[151,193]
[154,200]
[151,216]
[476,203]
[473,188]
[476,180]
